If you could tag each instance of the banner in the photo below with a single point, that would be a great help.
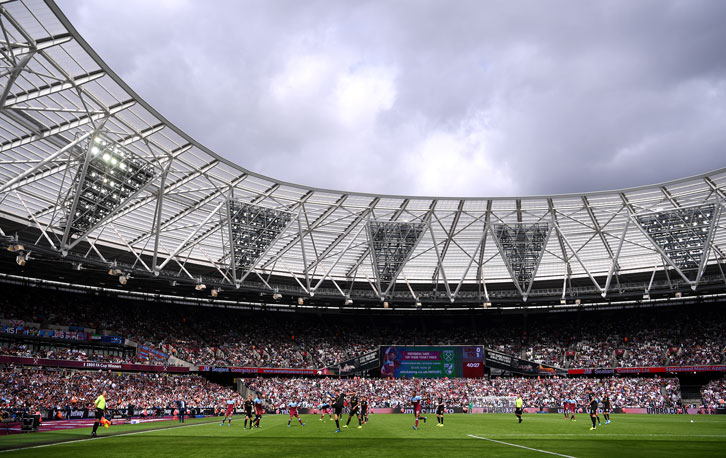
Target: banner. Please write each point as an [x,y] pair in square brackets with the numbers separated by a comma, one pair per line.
[647,370]
[45,362]
[150,353]
[432,361]
[360,363]
[79,336]
[511,363]
[262,370]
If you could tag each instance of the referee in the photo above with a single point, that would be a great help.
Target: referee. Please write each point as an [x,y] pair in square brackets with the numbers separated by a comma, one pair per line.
[100,410]
[518,408]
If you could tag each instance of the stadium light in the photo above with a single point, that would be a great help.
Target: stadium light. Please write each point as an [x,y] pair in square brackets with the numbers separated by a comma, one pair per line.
[577,301]
[385,305]
[113,174]
[252,231]
[300,301]
[522,246]
[486,305]
[123,279]
[200,286]
[277,296]
[682,234]
[678,294]
[418,303]
[113,271]
[15,247]
[391,244]
[563,302]
[348,301]
[21,259]
[214,292]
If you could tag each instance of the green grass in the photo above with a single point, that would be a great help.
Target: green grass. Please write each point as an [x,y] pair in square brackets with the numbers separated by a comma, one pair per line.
[392,435]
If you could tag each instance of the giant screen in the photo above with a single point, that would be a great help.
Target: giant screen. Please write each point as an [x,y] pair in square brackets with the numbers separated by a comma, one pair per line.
[431,361]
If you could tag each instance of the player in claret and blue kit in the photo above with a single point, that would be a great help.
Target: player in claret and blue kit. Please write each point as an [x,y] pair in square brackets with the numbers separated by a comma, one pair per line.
[293,413]
[258,411]
[327,407]
[416,401]
[229,412]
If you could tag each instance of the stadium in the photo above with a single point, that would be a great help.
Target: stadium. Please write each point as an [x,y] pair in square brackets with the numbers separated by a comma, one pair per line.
[152,288]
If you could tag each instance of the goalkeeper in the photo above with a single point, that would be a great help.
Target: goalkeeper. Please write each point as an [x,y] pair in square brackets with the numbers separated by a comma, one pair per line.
[100,410]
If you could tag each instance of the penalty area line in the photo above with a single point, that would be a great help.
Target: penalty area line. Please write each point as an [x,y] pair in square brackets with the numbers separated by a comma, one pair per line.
[75,441]
[519,446]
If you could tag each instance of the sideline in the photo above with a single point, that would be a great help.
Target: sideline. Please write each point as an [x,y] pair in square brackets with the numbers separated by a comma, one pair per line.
[520,446]
[73,441]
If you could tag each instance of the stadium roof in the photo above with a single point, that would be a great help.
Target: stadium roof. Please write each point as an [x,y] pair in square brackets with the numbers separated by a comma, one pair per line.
[89,171]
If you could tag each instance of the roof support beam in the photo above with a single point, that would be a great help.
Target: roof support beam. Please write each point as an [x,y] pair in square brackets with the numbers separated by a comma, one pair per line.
[65,126]
[449,237]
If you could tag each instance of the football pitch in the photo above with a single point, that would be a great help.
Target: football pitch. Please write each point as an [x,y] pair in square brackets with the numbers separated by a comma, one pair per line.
[391,435]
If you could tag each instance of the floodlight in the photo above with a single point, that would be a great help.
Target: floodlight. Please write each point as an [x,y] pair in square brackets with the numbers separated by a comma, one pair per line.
[681,234]
[200,286]
[300,301]
[522,246]
[391,244]
[277,296]
[21,259]
[214,292]
[253,229]
[110,175]
[15,247]
[122,279]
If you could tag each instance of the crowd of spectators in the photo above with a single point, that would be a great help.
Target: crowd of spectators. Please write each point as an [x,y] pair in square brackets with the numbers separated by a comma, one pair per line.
[713,395]
[551,392]
[231,337]
[31,389]
[68,353]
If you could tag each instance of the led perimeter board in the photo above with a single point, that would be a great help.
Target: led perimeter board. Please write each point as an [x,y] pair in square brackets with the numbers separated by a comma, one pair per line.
[431,361]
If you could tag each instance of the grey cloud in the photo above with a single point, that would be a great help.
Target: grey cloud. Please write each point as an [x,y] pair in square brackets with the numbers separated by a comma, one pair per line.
[512,98]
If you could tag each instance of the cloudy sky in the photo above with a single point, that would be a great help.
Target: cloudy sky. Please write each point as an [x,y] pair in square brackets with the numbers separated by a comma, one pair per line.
[450,98]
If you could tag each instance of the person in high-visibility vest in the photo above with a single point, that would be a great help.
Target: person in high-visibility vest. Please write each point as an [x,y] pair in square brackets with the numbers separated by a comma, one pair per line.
[100,411]
[518,408]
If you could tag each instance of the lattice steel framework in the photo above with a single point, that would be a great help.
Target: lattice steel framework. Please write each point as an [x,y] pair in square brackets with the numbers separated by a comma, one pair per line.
[252,231]
[522,247]
[57,95]
[107,178]
[682,236]
[391,245]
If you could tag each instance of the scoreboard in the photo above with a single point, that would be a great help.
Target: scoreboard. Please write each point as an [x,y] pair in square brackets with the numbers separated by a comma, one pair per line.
[432,361]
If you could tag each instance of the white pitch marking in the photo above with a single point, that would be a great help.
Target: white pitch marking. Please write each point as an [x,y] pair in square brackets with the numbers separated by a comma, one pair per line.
[104,437]
[520,446]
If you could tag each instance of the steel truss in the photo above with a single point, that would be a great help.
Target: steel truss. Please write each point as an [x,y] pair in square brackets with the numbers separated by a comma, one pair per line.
[57,95]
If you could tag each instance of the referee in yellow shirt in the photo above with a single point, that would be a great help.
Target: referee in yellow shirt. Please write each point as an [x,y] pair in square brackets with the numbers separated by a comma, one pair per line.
[518,408]
[100,410]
